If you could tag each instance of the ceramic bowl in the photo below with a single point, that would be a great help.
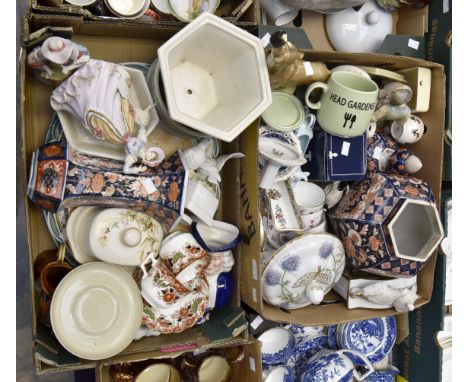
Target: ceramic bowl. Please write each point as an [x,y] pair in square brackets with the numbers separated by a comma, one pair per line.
[203,93]
[182,9]
[214,368]
[162,6]
[85,142]
[78,231]
[277,345]
[96,311]
[159,373]
[128,9]
[280,373]
[81,3]
[218,237]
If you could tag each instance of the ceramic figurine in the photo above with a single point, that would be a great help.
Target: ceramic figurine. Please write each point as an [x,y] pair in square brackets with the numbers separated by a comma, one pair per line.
[56,59]
[286,66]
[384,155]
[334,192]
[378,216]
[201,158]
[98,96]
[137,149]
[381,293]
[60,179]
[392,103]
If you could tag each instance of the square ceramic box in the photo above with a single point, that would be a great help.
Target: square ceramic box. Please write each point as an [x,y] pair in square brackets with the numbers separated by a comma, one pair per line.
[429,150]
[36,114]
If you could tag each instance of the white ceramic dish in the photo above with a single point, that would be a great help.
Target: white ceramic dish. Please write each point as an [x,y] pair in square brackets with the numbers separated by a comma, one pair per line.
[124,237]
[297,269]
[362,30]
[129,9]
[78,229]
[96,311]
[81,3]
[215,77]
[182,9]
[283,212]
[162,6]
[285,113]
[83,141]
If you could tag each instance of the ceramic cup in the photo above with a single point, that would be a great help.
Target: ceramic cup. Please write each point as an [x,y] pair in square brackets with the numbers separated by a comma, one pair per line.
[285,113]
[53,272]
[159,372]
[310,199]
[409,132]
[214,369]
[279,13]
[347,104]
[277,345]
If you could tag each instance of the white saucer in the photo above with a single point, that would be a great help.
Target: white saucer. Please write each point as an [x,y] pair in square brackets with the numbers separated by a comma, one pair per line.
[96,311]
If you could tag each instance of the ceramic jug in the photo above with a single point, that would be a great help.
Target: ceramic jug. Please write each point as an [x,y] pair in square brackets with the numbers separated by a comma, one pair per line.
[334,366]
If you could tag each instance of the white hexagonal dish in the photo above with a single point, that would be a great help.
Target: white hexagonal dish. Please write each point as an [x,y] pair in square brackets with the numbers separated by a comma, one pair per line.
[215,77]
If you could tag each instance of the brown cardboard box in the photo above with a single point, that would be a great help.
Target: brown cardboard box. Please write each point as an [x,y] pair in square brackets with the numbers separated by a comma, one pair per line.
[429,150]
[406,21]
[249,369]
[36,114]
[248,20]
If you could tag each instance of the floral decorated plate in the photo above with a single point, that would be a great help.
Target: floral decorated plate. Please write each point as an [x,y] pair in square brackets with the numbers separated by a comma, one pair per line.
[305,267]
[125,237]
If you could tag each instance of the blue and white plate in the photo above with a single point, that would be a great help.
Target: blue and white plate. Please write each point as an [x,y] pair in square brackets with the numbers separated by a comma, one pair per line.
[332,343]
[373,338]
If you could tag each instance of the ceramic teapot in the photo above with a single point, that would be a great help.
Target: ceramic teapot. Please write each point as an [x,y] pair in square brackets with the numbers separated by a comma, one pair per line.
[334,366]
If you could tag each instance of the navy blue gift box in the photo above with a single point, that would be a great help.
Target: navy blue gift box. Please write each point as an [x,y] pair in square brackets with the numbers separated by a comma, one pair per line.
[333,158]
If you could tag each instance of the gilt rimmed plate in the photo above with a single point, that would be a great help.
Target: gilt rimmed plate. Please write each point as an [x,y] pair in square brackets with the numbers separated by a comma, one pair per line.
[301,260]
[96,311]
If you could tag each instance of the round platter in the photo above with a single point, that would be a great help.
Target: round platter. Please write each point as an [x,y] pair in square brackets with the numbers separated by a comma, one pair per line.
[297,263]
[96,311]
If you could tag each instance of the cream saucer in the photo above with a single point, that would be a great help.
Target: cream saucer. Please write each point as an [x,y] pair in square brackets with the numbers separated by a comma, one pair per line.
[96,311]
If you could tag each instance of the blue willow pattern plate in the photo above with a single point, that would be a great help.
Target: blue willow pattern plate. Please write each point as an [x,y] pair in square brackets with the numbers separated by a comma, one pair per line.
[373,338]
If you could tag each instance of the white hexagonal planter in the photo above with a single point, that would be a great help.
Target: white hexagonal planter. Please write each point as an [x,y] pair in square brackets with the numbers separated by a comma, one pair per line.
[215,77]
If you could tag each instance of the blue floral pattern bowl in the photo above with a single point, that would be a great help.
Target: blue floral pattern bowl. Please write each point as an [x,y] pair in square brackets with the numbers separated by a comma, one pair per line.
[277,346]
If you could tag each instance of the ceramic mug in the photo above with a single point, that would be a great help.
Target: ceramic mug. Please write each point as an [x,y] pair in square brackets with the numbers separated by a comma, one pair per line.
[279,13]
[159,372]
[53,272]
[347,104]
[409,132]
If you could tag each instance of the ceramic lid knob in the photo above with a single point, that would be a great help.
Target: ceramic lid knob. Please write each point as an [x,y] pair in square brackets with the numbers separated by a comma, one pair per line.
[372,18]
[314,295]
[131,237]
[56,45]
[413,164]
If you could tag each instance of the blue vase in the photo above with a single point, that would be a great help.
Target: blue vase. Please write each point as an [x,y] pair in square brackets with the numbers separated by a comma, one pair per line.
[224,290]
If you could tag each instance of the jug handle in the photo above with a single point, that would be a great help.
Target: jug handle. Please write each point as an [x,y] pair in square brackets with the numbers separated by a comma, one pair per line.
[369,366]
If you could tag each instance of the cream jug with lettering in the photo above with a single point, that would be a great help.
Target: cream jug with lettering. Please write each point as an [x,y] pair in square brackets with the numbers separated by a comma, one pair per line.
[347,104]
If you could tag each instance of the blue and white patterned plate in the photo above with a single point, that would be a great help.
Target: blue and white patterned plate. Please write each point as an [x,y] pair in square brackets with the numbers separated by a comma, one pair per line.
[373,338]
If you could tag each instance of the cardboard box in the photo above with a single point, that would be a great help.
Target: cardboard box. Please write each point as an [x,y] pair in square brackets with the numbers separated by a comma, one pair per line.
[429,150]
[406,21]
[248,20]
[36,114]
[249,369]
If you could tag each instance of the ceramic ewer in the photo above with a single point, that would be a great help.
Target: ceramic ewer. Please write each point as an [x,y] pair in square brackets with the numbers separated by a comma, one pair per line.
[277,346]
[60,179]
[302,271]
[388,223]
[335,366]
[374,338]
[220,96]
